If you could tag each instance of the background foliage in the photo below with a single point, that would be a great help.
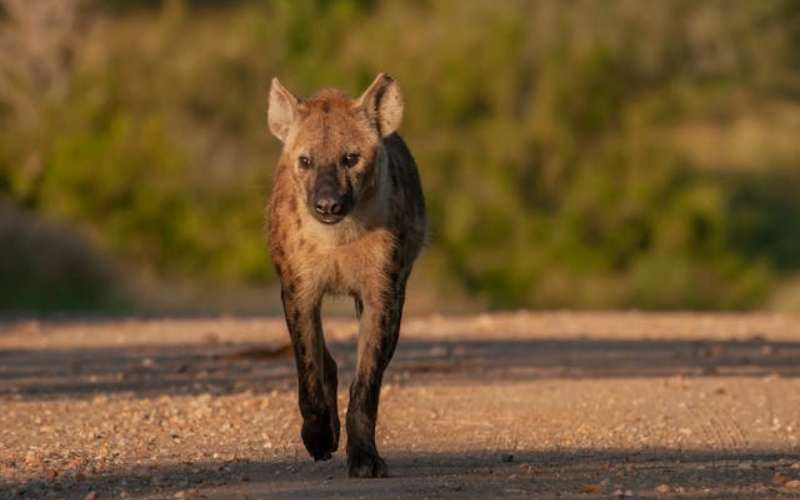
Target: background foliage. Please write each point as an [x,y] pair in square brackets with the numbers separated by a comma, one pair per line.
[593,154]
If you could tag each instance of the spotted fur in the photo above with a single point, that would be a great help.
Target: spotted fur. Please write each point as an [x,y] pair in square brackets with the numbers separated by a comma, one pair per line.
[367,253]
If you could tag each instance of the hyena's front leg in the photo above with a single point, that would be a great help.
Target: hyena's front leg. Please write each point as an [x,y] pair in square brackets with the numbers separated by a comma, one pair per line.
[377,339]
[316,377]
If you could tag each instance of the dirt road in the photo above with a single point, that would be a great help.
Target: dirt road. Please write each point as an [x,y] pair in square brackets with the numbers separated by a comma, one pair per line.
[515,405]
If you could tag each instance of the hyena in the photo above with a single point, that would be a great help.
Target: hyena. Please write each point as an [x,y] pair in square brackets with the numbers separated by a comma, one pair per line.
[346,217]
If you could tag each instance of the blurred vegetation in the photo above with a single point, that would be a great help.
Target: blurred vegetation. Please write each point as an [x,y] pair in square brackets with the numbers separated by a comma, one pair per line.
[592,154]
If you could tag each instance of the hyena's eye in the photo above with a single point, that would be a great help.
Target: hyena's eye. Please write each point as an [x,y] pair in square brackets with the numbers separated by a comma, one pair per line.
[304,162]
[350,159]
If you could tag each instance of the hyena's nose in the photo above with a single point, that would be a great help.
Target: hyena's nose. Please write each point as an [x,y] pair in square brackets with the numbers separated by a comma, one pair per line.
[328,205]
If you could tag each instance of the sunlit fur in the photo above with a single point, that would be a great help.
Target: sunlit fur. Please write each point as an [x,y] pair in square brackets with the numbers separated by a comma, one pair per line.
[367,255]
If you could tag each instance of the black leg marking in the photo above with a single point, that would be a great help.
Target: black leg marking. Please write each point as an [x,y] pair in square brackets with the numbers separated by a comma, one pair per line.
[316,378]
[380,327]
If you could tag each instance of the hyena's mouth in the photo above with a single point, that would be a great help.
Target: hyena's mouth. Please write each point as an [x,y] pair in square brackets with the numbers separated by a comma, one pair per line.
[329,219]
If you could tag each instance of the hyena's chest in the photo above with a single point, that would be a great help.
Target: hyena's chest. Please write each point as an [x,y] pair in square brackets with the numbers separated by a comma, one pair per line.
[325,265]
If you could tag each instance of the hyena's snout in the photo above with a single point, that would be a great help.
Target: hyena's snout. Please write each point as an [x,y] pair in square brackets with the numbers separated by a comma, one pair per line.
[330,201]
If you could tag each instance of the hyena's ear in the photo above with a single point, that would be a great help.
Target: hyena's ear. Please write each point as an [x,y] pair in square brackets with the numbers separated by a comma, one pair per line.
[383,103]
[283,110]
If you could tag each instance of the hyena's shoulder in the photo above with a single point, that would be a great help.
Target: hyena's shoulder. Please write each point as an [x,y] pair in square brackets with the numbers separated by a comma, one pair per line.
[409,211]
[404,174]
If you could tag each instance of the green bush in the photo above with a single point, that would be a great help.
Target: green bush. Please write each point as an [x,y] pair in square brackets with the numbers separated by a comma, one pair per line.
[546,133]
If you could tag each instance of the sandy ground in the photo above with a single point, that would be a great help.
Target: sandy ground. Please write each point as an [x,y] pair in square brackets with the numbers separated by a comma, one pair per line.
[515,405]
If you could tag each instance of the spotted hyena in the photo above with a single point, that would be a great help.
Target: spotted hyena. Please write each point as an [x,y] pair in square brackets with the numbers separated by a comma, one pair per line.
[346,217]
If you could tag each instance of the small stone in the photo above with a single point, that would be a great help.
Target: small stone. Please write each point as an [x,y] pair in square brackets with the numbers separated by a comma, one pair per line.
[438,352]
[780,478]
[507,457]
[794,484]
[92,495]
[591,489]
[663,489]
[32,459]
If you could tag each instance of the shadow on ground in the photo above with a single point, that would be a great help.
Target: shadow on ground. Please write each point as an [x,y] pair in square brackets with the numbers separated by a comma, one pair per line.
[218,368]
[474,474]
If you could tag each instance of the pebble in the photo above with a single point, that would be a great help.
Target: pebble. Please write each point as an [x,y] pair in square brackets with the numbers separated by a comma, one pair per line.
[591,489]
[781,478]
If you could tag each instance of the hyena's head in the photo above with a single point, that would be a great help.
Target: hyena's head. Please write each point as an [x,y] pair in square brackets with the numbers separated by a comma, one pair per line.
[333,144]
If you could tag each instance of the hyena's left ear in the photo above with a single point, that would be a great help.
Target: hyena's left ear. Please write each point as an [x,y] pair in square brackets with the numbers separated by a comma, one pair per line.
[283,110]
[383,103]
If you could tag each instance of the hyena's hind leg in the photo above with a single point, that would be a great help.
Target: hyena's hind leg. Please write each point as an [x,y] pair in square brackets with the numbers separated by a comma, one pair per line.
[316,377]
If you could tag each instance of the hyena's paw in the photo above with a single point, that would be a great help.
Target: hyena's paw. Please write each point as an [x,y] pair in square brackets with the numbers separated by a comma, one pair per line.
[363,463]
[321,436]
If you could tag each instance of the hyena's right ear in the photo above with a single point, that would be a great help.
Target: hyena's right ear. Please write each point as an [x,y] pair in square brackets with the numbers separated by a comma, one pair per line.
[283,110]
